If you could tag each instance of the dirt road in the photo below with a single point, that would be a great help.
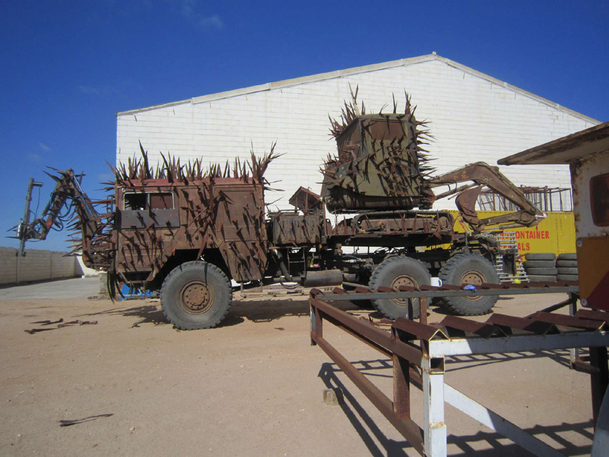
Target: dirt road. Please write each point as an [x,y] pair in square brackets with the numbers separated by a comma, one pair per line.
[132,385]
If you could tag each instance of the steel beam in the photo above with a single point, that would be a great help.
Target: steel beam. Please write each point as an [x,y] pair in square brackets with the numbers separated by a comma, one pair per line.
[497,423]
[516,343]
[437,292]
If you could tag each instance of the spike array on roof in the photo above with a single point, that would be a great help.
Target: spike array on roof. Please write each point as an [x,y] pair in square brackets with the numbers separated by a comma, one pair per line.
[137,170]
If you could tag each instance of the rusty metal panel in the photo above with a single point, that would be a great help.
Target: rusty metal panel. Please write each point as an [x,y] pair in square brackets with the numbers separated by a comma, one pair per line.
[293,229]
[590,188]
[246,261]
[305,200]
[134,219]
[590,178]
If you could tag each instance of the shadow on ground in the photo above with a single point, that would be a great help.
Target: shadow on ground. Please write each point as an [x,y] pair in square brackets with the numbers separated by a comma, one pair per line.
[273,309]
[469,445]
[241,310]
[147,313]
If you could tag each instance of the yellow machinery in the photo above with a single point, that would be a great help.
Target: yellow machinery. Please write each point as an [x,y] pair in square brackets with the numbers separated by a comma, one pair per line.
[555,234]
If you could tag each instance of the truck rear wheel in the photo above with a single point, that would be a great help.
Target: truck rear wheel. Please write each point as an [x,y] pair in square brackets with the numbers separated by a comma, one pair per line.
[469,269]
[395,272]
[196,295]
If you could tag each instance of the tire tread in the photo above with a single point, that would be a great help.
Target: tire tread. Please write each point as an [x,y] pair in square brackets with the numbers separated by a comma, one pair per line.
[378,276]
[540,256]
[457,306]
[178,271]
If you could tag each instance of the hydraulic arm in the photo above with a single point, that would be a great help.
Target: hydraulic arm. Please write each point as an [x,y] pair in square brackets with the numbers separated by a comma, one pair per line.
[66,199]
[482,174]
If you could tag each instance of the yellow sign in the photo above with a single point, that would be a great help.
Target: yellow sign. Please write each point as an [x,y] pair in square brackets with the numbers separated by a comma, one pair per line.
[556,233]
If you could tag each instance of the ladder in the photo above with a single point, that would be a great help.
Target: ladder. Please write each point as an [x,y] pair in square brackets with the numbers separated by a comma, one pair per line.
[507,241]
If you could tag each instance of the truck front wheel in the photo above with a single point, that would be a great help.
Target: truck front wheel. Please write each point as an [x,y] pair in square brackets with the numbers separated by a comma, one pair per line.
[196,295]
[469,269]
[395,272]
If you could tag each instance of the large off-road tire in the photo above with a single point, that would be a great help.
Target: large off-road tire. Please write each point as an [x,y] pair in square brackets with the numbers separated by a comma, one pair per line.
[567,256]
[196,295]
[395,272]
[469,269]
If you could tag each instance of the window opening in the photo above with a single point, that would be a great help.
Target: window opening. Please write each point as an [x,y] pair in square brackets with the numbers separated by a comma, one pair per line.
[135,201]
[158,200]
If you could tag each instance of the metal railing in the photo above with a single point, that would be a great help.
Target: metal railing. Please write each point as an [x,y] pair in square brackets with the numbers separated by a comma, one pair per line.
[418,353]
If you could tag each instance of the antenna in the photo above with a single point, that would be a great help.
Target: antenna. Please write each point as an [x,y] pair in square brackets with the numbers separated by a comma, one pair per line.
[26,217]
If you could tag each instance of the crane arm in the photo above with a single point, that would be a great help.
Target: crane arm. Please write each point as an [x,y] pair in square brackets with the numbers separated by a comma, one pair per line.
[484,175]
[68,194]
[67,189]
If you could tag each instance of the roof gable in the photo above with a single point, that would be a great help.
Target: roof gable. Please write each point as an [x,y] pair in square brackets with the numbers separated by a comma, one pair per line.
[358,70]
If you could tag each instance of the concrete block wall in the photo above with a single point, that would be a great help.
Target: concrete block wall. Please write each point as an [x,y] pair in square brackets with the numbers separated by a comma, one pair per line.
[472,117]
[35,266]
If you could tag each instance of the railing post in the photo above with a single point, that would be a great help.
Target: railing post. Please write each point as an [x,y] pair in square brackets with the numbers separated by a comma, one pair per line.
[574,352]
[434,427]
[423,310]
[401,382]
[316,323]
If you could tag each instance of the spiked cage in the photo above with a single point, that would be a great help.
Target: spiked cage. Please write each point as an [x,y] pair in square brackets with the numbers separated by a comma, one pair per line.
[381,163]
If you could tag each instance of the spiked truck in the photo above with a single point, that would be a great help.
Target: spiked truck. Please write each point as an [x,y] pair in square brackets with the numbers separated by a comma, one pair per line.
[187,232]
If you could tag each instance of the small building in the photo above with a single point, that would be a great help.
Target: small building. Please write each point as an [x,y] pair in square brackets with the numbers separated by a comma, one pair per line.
[472,116]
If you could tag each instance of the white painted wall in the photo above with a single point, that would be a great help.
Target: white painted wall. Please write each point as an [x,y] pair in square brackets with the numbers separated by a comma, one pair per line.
[473,118]
[35,266]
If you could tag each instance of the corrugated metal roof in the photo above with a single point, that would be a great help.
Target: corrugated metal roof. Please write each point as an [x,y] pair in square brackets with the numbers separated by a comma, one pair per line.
[359,70]
[564,150]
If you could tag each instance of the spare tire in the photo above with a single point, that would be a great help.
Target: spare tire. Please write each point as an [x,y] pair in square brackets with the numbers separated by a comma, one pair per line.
[568,271]
[540,256]
[538,264]
[542,271]
[567,256]
[568,277]
[566,263]
[469,269]
[542,278]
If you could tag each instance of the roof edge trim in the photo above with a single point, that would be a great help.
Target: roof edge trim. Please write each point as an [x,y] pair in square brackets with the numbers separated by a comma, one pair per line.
[518,90]
[358,70]
[288,83]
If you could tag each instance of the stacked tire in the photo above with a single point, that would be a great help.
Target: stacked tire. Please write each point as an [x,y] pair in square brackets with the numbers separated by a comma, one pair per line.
[567,267]
[541,267]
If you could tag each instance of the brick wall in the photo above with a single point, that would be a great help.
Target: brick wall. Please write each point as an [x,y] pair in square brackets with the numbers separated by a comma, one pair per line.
[472,117]
[35,266]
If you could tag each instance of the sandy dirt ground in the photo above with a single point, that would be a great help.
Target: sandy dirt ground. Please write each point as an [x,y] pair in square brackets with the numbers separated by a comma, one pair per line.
[132,385]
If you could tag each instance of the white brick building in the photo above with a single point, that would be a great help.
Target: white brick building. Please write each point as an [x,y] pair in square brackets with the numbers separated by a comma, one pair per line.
[472,116]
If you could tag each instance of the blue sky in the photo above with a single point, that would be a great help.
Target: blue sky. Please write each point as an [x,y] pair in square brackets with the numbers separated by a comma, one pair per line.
[68,66]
